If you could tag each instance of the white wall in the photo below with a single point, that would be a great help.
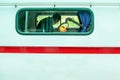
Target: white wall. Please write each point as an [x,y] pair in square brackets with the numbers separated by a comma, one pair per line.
[106,30]
[59,67]
[60,1]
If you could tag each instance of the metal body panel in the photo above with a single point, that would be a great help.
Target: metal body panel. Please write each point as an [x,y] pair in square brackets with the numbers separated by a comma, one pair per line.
[51,66]
[106,30]
[65,67]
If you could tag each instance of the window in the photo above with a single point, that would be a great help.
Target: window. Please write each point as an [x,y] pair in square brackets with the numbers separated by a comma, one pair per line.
[67,21]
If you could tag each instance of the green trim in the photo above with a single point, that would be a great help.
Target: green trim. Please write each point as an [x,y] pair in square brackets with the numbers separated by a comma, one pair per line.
[54,33]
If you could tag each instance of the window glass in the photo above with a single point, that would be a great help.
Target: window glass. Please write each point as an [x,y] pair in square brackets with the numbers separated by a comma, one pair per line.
[55,21]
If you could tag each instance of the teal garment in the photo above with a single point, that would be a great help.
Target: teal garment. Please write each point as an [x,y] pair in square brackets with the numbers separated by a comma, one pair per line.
[45,25]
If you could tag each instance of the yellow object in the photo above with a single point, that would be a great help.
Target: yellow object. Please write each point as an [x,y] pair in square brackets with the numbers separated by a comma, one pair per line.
[62,29]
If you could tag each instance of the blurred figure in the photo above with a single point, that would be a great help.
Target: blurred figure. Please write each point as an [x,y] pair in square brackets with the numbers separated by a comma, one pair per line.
[46,24]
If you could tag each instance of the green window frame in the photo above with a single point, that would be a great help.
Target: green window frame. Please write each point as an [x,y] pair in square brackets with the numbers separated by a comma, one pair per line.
[27,19]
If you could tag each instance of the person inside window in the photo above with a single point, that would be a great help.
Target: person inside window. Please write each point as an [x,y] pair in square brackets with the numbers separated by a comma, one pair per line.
[46,24]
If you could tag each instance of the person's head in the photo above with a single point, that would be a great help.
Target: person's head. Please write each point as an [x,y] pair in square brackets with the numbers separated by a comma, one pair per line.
[56,17]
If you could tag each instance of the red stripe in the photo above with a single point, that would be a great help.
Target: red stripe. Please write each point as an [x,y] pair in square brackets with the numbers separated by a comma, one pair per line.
[59,50]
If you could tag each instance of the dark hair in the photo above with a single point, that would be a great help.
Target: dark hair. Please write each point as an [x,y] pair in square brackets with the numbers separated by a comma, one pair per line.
[56,17]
